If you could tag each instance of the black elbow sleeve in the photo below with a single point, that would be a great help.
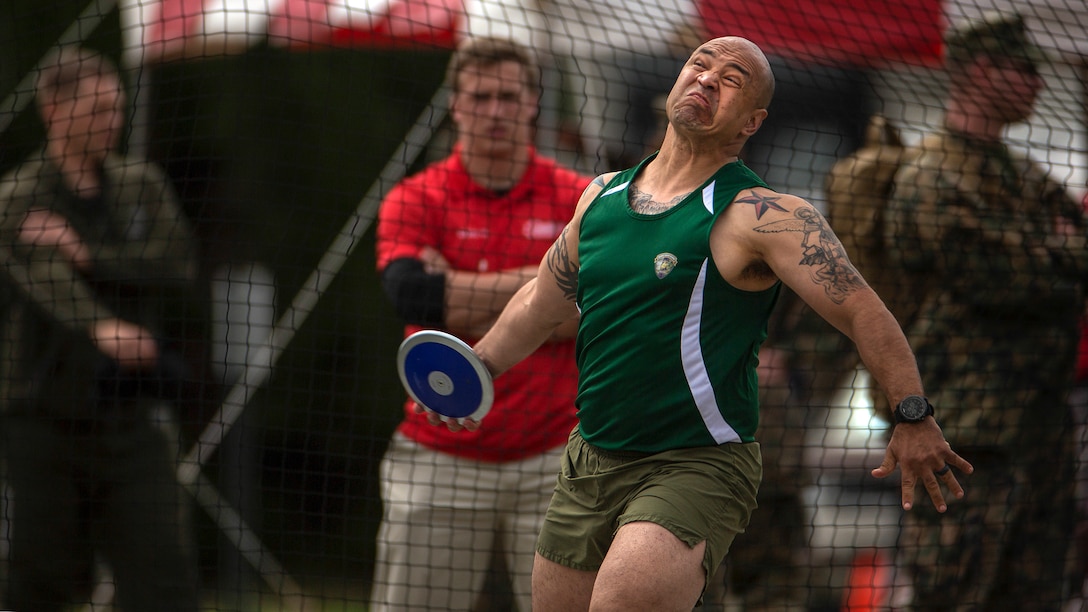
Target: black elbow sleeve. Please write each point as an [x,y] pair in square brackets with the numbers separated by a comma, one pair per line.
[418,297]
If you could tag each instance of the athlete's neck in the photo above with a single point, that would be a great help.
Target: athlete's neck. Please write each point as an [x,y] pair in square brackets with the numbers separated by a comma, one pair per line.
[682,166]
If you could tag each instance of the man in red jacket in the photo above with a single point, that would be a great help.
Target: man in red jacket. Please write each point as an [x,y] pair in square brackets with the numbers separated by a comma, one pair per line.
[454,243]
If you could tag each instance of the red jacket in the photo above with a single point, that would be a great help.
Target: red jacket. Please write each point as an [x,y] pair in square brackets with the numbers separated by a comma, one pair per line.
[478,230]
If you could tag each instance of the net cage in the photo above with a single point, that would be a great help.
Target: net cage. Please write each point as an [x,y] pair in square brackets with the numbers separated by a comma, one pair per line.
[278,201]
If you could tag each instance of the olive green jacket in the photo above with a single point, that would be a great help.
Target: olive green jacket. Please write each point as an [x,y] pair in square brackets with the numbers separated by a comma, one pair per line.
[143,271]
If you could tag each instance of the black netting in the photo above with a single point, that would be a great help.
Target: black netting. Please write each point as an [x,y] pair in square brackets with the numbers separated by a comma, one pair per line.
[258,149]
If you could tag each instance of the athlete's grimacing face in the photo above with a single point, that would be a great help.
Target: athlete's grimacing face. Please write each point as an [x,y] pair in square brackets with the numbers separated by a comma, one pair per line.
[723,85]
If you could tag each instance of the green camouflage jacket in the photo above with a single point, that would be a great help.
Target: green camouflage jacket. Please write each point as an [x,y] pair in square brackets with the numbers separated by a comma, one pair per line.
[1003,249]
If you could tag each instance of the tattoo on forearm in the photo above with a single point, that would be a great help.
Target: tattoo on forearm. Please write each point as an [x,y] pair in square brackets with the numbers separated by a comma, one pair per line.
[761,203]
[560,265]
[823,253]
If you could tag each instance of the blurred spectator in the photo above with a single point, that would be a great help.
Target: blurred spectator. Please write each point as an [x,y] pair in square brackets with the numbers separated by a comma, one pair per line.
[99,265]
[605,63]
[454,243]
[996,336]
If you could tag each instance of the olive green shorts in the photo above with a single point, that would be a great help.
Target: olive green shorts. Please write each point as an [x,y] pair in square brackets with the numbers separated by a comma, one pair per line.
[698,494]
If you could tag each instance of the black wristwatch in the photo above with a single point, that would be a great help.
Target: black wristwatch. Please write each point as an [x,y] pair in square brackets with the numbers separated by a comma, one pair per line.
[913,409]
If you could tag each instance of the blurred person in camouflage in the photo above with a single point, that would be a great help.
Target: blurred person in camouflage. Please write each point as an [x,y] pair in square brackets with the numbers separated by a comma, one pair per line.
[455,241]
[996,333]
[100,267]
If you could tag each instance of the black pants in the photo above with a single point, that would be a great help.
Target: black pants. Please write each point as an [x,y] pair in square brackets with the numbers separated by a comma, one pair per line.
[88,488]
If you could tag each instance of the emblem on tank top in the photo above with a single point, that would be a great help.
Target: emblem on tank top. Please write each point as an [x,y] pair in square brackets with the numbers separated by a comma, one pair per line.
[663,264]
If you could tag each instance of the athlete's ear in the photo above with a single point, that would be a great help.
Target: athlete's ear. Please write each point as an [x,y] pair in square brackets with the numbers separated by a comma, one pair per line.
[754,122]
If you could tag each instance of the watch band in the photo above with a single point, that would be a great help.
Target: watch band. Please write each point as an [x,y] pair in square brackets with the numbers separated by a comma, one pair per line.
[913,409]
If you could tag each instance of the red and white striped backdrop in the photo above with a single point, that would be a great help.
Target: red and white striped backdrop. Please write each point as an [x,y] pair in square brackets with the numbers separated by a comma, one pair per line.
[160,30]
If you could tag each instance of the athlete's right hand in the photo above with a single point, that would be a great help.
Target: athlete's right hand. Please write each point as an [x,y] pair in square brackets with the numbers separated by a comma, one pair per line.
[452,424]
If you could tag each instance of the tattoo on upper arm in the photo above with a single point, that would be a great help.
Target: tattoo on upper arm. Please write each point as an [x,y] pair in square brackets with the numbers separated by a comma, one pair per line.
[822,252]
[599,181]
[560,265]
[761,203]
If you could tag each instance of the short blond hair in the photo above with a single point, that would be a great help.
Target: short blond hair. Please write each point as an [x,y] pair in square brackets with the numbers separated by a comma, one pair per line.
[489,51]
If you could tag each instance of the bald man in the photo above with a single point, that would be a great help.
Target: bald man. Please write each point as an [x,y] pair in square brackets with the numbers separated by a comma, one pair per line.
[674,266]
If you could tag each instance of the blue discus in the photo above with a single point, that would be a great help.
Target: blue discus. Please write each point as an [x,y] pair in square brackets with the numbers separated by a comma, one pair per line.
[443,374]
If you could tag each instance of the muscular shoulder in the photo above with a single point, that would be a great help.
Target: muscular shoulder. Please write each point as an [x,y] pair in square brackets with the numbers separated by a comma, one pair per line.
[759,206]
[763,231]
[594,189]
[600,182]
[589,194]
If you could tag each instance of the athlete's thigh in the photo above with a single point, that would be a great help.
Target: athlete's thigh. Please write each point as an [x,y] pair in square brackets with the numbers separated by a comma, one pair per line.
[647,567]
[558,588]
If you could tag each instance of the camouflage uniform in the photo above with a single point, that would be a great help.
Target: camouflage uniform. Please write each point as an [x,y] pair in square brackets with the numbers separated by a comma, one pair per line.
[995,340]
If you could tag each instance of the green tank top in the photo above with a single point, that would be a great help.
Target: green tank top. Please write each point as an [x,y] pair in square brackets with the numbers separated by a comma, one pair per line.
[667,350]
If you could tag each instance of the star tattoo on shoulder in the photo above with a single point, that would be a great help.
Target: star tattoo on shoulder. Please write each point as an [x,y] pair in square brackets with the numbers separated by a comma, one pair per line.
[762,203]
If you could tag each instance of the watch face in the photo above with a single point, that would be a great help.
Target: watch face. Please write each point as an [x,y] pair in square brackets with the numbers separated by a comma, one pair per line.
[913,408]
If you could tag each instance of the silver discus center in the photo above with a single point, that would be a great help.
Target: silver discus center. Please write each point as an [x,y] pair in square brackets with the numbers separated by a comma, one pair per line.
[440,383]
